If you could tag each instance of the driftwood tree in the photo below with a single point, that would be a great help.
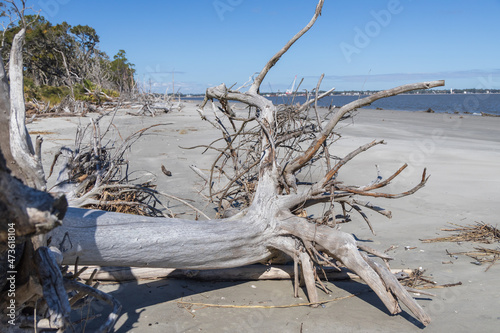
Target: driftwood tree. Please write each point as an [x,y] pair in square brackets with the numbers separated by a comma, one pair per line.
[268,224]
[267,227]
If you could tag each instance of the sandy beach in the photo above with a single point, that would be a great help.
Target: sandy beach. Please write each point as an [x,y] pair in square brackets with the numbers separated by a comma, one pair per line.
[460,152]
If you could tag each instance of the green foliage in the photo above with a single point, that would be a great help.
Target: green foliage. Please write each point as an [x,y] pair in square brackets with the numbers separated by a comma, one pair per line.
[31,91]
[89,85]
[88,91]
[61,56]
[28,83]
[111,93]
[44,93]
[54,94]
[122,71]
[86,37]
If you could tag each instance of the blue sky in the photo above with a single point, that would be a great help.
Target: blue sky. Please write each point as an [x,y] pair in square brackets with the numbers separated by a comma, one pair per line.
[359,45]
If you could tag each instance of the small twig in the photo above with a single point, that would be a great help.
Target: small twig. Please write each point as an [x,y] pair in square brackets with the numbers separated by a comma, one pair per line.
[228,306]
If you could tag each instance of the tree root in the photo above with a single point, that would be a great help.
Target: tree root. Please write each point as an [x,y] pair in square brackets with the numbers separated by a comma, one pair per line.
[343,247]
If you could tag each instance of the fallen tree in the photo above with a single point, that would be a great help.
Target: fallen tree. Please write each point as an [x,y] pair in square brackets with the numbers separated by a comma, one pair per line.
[270,224]
[267,227]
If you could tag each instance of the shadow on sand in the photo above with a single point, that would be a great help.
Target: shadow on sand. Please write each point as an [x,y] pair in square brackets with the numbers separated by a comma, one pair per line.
[136,297]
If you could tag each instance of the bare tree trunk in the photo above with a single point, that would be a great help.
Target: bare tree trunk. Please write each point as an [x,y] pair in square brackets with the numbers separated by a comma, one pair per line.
[27,156]
[5,121]
[168,243]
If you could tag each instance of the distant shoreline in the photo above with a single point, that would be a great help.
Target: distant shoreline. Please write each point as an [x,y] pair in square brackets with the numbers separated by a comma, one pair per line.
[465,104]
[346,93]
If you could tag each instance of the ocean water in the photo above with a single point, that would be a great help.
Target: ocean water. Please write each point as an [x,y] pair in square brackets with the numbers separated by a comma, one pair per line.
[451,103]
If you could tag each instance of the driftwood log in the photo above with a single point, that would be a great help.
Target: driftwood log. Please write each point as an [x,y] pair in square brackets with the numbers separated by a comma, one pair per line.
[245,273]
[265,229]
[260,232]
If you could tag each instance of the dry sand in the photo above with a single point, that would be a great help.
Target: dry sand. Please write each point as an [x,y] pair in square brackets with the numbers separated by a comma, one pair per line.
[462,155]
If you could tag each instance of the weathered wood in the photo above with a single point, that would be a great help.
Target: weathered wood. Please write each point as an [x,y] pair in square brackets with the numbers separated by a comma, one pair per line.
[114,239]
[5,121]
[24,212]
[301,160]
[245,273]
[255,235]
[105,238]
[395,287]
[26,155]
[31,212]
[52,283]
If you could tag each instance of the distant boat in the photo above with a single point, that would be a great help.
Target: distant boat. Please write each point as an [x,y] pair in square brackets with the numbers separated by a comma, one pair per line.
[290,91]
